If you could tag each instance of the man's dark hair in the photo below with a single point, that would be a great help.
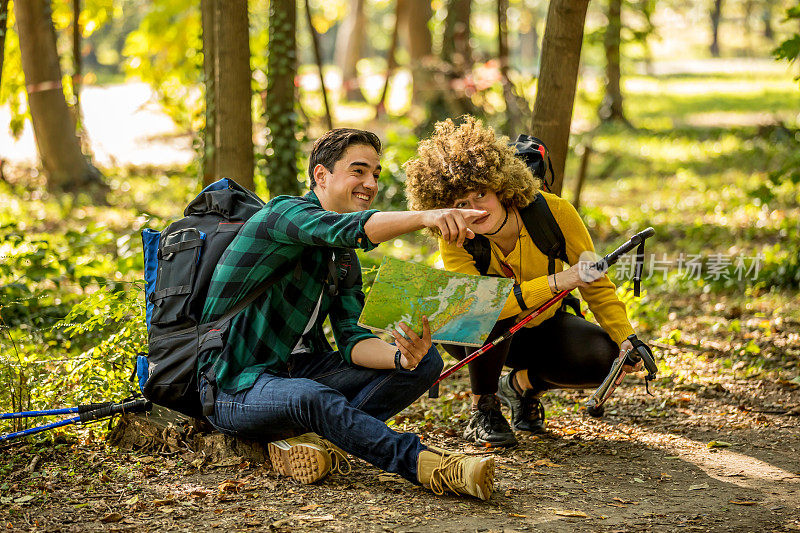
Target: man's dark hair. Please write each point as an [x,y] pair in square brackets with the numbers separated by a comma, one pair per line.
[330,148]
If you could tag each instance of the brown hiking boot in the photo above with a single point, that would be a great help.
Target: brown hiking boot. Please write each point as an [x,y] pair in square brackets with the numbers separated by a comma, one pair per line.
[440,470]
[306,458]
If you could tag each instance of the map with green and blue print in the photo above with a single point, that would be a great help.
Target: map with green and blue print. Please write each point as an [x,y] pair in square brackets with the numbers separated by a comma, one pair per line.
[461,309]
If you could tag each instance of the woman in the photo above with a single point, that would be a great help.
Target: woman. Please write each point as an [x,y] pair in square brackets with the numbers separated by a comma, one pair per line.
[467,166]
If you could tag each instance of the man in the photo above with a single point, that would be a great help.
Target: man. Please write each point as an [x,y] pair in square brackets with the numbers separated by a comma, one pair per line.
[277,377]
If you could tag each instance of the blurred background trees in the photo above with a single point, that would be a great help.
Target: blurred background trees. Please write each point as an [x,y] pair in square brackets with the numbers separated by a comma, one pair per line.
[515,63]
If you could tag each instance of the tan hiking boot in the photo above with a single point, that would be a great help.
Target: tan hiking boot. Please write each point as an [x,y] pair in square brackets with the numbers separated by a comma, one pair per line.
[307,458]
[440,470]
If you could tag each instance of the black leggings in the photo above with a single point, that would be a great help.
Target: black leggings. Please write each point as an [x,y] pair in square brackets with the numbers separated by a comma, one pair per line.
[563,352]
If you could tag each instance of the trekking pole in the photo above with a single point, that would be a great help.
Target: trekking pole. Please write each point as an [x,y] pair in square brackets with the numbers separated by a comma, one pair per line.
[601,266]
[86,413]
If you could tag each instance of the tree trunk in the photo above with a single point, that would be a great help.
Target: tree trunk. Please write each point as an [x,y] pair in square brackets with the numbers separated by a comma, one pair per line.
[391,59]
[77,56]
[558,77]
[611,107]
[766,16]
[349,46]
[318,59]
[207,11]
[3,31]
[529,41]
[53,126]
[456,48]
[281,118]
[413,17]
[234,122]
[716,15]
[515,113]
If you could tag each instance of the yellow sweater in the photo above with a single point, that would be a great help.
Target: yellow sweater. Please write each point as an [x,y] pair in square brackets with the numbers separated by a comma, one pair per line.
[530,265]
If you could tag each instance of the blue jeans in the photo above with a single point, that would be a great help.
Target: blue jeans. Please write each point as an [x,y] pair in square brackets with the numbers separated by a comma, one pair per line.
[345,404]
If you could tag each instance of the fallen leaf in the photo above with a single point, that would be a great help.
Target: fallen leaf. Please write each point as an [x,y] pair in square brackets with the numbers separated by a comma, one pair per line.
[23,499]
[309,507]
[743,502]
[719,444]
[576,514]
[620,500]
[515,515]
[638,480]
[132,500]
[230,461]
[699,487]
[230,485]
[313,518]
[111,518]
[545,462]
[198,494]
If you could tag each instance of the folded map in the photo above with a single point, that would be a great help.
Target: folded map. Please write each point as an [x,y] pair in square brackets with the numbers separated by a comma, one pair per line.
[461,308]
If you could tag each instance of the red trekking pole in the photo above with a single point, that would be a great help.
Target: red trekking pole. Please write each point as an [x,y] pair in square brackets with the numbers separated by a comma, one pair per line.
[601,266]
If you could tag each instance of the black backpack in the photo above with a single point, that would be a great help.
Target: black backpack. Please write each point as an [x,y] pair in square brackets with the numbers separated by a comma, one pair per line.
[179,262]
[536,216]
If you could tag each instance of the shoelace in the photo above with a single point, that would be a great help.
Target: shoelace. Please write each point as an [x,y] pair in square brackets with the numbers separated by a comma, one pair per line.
[494,419]
[448,473]
[337,460]
[532,409]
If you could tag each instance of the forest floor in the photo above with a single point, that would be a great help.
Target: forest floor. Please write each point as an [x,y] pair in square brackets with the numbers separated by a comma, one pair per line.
[717,448]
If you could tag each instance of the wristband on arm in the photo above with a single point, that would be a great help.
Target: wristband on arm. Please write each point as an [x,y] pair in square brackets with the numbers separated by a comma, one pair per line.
[397,364]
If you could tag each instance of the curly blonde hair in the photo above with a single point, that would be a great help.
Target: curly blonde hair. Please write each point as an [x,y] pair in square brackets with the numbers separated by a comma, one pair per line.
[456,160]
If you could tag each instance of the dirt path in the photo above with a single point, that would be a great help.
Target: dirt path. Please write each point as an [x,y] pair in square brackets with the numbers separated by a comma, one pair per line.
[645,466]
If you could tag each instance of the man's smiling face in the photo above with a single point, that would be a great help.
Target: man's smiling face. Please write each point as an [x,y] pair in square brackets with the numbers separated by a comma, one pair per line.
[353,183]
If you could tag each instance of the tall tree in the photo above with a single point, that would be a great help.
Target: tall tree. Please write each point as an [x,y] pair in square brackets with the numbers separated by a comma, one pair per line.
[53,126]
[558,77]
[318,59]
[716,16]
[456,48]
[233,91]
[611,107]
[207,11]
[412,19]
[517,110]
[349,46]
[281,118]
[3,31]
[77,55]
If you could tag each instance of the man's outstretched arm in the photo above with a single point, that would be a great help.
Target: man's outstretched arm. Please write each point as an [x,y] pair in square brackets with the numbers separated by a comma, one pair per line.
[451,223]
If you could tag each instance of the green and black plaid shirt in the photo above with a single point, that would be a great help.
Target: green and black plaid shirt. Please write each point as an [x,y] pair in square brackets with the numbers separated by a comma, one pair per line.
[261,338]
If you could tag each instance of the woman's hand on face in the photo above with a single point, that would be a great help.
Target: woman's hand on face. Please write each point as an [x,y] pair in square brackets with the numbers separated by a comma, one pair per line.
[578,275]
[452,223]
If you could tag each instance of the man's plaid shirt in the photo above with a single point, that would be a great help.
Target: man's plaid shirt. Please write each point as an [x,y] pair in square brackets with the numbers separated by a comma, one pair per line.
[261,338]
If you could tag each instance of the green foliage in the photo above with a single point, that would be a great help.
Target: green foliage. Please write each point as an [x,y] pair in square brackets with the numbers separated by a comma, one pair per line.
[789,49]
[166,52]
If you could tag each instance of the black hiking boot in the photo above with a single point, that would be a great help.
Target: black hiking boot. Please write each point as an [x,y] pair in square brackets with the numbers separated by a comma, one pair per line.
[487,426]
[527,412]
